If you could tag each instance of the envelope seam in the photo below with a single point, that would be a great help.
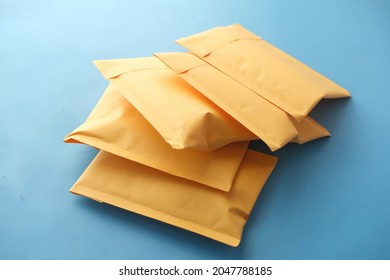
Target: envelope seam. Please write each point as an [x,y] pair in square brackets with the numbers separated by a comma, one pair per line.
[133,70]
[272,143]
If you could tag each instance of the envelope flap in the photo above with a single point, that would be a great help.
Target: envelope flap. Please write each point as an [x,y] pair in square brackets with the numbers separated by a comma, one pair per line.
[205,42]
[115,67]
[180,62]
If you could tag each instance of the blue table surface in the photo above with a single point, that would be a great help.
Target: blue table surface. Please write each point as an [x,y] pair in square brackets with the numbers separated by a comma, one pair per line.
[328,199]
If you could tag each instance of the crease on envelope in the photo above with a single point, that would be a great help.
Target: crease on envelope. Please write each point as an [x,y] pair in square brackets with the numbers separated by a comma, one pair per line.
[117,127]
[183,116]
[271,124]
[271,73]
[186,204]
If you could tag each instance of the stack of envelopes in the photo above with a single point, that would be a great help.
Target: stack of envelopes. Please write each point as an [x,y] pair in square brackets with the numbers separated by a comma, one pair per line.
[174,129]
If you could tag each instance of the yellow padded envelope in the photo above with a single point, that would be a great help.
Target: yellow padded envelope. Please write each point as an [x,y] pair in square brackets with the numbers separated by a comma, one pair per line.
[176,201]
[268,71]
[183,116]
[117,127]
[271,124]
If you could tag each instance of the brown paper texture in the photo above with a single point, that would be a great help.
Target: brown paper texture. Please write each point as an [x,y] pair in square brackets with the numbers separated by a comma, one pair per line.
[270,123]
[117,127]
[184,117]
[268,71]
[216,214]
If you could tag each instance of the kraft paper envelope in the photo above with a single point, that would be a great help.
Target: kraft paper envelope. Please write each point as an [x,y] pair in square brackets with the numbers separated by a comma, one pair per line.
[216,214]
[117,127]
[268,71]
[271,124]
[184,117]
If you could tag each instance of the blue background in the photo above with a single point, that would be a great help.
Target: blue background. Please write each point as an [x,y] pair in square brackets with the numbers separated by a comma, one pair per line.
[328,199]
